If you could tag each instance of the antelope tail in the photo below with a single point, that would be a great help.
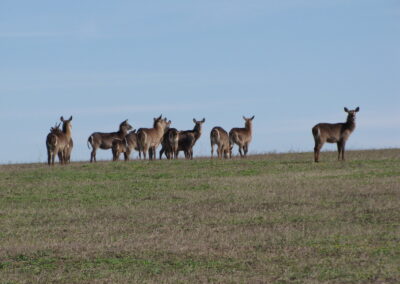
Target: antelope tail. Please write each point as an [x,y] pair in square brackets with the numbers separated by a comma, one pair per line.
[214,136]
[141,140]
[316,132]
[89,141]
[218,135]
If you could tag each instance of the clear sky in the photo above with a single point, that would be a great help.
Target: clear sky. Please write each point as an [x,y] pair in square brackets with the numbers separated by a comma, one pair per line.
[291,63]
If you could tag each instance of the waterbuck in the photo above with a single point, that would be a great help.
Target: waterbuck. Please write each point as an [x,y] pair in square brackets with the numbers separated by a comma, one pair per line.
[334,133]
[59,142]
[125,146]
[149,138]
[242,136]
[104,140]
[51,144]
[219,137]
[188,138]
[170,143]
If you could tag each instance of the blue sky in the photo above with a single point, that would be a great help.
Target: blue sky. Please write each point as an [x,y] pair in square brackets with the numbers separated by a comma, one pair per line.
[291,63]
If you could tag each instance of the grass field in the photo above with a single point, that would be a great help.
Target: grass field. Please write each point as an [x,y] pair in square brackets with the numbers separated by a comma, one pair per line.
[277,218]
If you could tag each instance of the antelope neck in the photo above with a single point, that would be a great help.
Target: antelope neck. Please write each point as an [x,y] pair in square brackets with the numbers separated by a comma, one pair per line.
[248,126]
[197,131]
[351,122]
[67,130]
[159,128]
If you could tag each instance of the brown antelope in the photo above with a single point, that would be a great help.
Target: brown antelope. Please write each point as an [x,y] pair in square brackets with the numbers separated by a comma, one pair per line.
[334,133]
[104,140]
[149,138]
[51,144]
[242,136]
[125,146]
[219,137]
[188,138]
[58,142]
[170,143]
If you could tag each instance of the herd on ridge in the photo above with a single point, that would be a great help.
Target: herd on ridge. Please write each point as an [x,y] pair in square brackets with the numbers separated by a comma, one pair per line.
[146,140]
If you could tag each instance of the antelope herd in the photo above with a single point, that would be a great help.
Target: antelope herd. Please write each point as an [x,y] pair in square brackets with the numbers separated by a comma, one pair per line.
[146,140]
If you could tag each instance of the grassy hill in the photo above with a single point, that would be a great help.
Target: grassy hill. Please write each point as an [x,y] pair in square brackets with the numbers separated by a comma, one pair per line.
[270,218]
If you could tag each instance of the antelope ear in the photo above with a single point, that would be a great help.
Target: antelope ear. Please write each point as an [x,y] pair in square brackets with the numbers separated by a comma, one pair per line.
[62,118]
[70,118]
[357,109]
[252,117]
[194,120]
[160,116]
[204,120]
[346,110]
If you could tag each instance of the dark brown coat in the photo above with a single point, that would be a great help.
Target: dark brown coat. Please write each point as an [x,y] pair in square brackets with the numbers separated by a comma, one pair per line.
[104,140]
[170,143]
[188,138]
[334,133]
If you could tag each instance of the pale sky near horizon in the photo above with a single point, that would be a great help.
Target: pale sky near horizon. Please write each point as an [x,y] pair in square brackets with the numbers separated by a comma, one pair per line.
[291,63]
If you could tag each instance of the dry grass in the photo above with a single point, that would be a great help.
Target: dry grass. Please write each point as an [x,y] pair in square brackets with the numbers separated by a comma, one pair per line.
[270,218]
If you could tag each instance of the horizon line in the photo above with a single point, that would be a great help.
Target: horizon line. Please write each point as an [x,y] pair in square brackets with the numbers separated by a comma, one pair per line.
[203,157]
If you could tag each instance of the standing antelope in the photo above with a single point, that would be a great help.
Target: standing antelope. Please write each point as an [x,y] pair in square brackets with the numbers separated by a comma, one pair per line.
[149,138]
[59,142]
[188,138]
[334,133]
[125,146]
[104,140]
[170,143]
[219,137]
[242,136]
[51,144]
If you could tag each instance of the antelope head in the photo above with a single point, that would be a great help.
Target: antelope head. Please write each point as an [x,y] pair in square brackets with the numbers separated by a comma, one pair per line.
[199,122]
[248,121]
[351,114]
[157,120]
[125,126]
[56,128]
[66,123]
[167,124]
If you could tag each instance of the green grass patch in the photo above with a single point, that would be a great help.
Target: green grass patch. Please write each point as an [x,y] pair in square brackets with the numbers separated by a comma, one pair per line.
[276,218]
